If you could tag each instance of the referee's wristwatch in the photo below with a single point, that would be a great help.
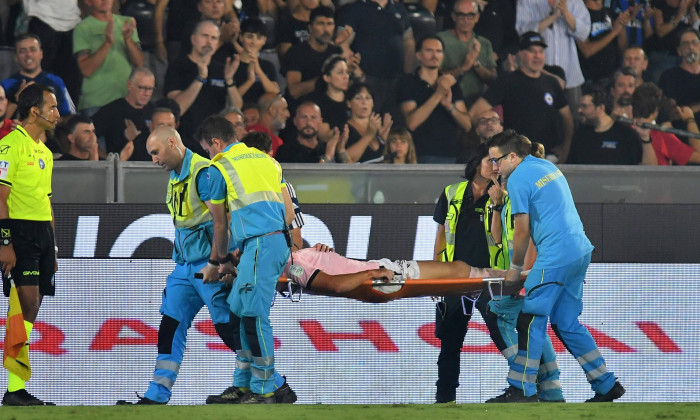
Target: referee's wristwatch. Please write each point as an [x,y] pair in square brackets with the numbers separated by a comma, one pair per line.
[5,241]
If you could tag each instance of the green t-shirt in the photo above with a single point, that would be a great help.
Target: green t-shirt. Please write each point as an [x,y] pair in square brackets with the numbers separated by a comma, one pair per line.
[455,52]
[108,82]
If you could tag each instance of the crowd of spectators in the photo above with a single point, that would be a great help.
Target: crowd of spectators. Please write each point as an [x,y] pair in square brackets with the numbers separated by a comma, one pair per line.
[366,81]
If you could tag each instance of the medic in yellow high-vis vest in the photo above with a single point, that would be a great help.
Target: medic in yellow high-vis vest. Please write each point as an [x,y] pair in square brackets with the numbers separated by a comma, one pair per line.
[184,295]
[247,184]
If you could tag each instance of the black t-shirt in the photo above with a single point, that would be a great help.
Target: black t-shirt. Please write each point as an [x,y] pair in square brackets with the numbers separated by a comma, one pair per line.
[470,238]
[668,42]
[682,86]
[369,154]
[68,156]
[307,61]
[211,99]
[256,90]
[620,145]
[335,114]
[109,122]
[140,153]
[497,24]
[378,35]
[439,134]
[179,12]
[606,61]
[293,152]
[530,106]
[291,30]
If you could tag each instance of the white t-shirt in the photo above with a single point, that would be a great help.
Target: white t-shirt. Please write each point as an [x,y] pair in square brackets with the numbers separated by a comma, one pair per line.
[60,15]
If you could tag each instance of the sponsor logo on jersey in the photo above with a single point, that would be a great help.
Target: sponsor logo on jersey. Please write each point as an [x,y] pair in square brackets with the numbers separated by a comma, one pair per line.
[4,167]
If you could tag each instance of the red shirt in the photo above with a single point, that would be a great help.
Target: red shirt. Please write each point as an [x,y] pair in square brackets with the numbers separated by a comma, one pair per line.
[276,141]
[6,128]
[669,150]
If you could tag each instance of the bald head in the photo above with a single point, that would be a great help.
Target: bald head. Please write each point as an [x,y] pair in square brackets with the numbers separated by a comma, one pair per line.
[165,147]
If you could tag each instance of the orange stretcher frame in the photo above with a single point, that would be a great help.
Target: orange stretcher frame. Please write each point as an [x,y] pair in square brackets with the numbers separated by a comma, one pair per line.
[410,288]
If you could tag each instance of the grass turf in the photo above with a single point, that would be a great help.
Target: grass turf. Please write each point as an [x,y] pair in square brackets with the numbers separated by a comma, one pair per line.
[608,411]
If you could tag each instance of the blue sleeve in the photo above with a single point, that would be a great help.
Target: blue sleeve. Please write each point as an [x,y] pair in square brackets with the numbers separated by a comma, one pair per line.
[519,195]
[202,181]
[217,185]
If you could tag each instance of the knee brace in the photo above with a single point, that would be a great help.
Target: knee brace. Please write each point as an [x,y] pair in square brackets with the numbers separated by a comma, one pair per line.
[522,326]
[251,335]
[166,333]
[225,331]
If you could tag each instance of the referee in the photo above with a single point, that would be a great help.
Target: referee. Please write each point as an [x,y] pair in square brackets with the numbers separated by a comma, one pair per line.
[27,246]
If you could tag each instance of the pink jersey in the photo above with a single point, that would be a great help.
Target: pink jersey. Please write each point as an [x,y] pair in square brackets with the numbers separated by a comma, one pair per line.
[308,260]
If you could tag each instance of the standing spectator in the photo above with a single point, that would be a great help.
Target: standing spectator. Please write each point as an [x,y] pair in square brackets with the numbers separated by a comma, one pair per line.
[293,26]
[254,76]
[399,148]
[669,149]
[599,55]
[81,138]
[227,20]
[258,227]
[461,236]
[28,251]
[53,22]
[119,122]
[600,140]
[670,18]
[544,210]
[200,85]
[384,39]
[561,23]
[306,147]
[367,130]
[106,47]
[6,124]
[487,125]
[28,55]
[468,56]
[330,93]
[639,28]
[682,83]
[429,99]
[303,66]
[273,113]
[533,103]
[497,24]
[635,58]
[623,85]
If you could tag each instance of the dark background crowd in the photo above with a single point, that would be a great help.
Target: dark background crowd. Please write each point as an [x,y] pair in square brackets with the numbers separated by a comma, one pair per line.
[364,81]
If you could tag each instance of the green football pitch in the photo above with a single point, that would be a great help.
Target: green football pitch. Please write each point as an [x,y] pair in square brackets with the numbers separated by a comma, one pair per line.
[606,411]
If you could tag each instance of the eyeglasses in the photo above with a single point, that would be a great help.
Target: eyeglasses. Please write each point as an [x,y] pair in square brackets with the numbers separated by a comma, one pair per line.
[484,121]
[146,88]
[689,43]
[460,15]
[497,160]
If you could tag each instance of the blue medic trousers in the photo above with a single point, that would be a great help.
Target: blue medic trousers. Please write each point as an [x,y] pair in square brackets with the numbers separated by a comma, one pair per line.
[261,265]
[501,320]
[183,297]
[556,293]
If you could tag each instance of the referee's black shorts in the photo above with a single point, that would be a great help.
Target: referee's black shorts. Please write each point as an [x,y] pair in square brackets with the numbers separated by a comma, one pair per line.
[36,257]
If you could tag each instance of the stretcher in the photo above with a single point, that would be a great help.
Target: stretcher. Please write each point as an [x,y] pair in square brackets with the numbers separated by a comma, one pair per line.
[380,291]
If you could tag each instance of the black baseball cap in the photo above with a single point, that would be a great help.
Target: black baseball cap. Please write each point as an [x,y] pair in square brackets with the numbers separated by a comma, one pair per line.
[528,39]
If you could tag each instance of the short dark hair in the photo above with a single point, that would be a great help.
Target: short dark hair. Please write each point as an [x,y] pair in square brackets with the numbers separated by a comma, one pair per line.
[356,88]
[72,123]
[218,127]
[259,140]
[598,97]
[320,11]
[511,142]
[253,26]
[32,96]
[623,71]
[170,104]
[474,160]
[27,35]
[646,100]
[419,45]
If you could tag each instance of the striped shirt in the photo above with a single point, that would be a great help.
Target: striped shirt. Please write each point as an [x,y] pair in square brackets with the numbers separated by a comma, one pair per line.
[298,221]
[560,39]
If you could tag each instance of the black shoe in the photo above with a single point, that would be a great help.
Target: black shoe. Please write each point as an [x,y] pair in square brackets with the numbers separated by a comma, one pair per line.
[616,392]
[285,395]
[141,401]
[232,395]
[250,398]
[552,401]
[22,398]
[513,395]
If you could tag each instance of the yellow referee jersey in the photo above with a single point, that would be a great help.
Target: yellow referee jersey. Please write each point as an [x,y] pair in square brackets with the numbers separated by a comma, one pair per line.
[26,167]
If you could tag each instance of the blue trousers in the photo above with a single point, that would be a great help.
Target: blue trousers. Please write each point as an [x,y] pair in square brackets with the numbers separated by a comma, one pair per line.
[260,267]
[556,293]
[502,328]
[183,297]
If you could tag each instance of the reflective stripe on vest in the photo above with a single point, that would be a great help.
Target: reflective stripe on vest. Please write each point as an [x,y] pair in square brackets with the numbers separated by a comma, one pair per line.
[186,208]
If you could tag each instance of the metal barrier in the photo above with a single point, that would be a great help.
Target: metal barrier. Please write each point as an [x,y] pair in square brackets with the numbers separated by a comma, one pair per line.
[141,182]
